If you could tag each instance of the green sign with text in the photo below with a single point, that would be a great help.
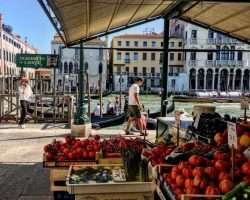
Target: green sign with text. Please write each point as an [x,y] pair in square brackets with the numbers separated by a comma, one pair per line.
[36,60]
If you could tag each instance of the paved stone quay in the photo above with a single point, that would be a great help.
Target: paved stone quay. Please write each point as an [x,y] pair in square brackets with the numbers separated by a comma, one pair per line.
[22,176]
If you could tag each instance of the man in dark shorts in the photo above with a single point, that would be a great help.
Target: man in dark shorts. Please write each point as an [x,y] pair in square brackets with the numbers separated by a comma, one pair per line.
[134,105]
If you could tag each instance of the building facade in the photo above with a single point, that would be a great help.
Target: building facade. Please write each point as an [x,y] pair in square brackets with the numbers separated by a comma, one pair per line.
[128,64]
[227,69]
[10,45]
[67,73]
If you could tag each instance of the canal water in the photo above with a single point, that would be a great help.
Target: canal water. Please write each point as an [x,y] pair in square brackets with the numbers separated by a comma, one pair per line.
[153,102]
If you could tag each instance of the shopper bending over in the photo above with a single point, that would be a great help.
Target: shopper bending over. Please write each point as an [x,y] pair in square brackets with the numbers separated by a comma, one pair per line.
[134,105]
[25,95]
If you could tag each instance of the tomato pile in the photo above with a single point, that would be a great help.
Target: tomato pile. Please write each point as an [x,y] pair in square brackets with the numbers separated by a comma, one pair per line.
[157,154]
[113,147]
[199,175]
[72,149]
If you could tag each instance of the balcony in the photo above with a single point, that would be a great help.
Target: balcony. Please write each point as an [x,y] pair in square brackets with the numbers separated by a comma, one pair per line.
[227,41]
[193,41]
[192,62]
[237,63]
[210,63]
[211,41]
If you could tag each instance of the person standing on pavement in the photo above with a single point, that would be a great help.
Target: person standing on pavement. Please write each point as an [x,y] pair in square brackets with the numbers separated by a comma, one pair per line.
[134,105]
[25,95]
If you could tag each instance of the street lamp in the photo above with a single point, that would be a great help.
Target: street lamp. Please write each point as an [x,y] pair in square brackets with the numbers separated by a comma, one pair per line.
[81,115]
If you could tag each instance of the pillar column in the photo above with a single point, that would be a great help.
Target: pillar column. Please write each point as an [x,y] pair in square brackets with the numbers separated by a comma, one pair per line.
[233,85]
[241,81]
[228,80]
[218,84]
[196,79]
[165,67]
[205,79]
[213,80]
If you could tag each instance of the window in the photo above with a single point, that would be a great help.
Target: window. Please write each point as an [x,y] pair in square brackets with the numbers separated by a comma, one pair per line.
[153,71]
[4,55]
[144,71]
[127,57]
[145,44]
[171,56]
[152,82]
[144,56]
[7,56]
[127,43]
[161,44]
[179,56]
[135,71]
[210,56]
[76,68]
[119,43]
[153,43]
[225,53]
[152,56]
[136,43]
[239,56]
[180,44]
[171,44]
[127,69]
[135,56]
[119,56]
[0,56]
[70,67]
[232,53]
[65,67]
[173,83]
[194,34]
[161,57]
[193,56]
[210,34]
[218,53]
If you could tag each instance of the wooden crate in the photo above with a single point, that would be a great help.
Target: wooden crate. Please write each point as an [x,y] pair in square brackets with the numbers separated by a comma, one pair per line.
[58,179]
[107,188]
[115,196]
[67,164]
[200,196]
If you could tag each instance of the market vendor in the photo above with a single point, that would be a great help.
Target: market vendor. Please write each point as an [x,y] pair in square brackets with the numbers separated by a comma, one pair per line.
[134,105]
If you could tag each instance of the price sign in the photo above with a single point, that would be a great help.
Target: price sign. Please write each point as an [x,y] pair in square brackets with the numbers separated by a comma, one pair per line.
[196,122]
[232,135]
[244,105]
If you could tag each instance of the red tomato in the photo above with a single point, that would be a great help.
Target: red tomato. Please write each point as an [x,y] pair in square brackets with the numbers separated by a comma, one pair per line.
[85,155]
[226,186]
[187,172]
[189,183]
[198,171]
[222,165]
[180,180]
[224,175]
[246,168]
[92,155]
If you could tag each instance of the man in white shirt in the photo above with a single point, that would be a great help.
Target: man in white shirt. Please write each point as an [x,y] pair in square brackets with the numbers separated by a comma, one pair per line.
[25,95]
[134,105]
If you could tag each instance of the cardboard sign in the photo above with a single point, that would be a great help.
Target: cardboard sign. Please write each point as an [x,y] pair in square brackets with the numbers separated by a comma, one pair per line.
[232,135]
[244,104]
[196,122]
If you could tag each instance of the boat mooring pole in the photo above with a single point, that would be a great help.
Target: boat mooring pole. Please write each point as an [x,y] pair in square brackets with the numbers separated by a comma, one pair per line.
[100,87]
[165,67]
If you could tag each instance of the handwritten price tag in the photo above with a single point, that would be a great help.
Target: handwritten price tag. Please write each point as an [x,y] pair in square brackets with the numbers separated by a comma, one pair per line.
[232,135]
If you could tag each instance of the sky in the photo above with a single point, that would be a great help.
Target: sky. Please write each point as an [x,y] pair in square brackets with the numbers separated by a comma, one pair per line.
[29,20]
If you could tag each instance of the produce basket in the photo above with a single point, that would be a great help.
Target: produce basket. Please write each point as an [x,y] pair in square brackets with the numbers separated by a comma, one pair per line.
[110,187]
[67,164]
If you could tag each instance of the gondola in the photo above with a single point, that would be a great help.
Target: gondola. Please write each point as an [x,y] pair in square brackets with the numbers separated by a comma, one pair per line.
[107,121]
[97,96]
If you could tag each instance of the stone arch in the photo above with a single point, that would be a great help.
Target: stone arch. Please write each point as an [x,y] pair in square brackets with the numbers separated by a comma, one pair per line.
[224,80]
[201,77]
[246,80]
[192,79]
[209,79]
[238,79]
[66,67]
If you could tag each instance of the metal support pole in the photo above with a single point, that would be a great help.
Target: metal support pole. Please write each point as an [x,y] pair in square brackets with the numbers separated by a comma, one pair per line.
[81,116]
[165,67]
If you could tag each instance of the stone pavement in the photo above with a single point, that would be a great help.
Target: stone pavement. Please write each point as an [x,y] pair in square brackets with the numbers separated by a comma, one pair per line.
[22,176]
